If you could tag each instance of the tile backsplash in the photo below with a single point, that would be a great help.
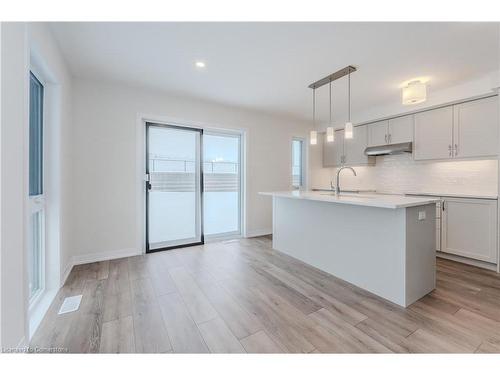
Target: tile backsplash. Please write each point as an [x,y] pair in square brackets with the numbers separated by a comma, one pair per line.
[400,174]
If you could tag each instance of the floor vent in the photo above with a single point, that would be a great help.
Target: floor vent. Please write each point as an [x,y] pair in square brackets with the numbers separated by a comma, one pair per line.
[70,304]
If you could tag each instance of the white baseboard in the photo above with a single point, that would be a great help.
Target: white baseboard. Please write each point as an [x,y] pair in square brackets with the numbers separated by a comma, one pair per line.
[66,273]
[80,259]
[97,257]
[107,255]
[37,313]
[258,232]
[471,262]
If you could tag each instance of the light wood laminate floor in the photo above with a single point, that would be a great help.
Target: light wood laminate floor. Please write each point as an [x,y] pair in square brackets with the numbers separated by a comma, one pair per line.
[241,296]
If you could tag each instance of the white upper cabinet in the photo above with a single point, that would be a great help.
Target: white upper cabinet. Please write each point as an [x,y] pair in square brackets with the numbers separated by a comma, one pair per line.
[354,149]
[378,133]
[347,151]
[470,228]
[434,134]
[400,129]
[476,128]
[333,151]
[466,130]
[339,147]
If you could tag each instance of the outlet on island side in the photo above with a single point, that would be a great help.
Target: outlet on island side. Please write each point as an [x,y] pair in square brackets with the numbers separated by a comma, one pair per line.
[421,215]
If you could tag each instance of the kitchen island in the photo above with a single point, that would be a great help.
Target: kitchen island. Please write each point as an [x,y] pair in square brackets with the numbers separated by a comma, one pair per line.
[382,243]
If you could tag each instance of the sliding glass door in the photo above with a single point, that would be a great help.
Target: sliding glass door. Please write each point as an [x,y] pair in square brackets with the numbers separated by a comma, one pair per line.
[173,198]
[194,186]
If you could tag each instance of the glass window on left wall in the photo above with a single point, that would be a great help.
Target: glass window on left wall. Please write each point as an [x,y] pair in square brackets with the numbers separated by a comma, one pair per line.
[36,199]
[297,163]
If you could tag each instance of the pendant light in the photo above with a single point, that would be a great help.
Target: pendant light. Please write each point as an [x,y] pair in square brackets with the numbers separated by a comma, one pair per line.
[313,137]
[330,132]
[348,129]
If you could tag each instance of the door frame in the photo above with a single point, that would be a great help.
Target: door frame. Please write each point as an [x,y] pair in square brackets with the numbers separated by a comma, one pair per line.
[148,125]
[141,118]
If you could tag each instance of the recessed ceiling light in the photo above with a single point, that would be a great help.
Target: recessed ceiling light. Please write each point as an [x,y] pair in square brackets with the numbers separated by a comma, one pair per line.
[199,64]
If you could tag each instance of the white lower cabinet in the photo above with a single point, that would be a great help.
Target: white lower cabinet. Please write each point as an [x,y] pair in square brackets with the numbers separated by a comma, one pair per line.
[469,228]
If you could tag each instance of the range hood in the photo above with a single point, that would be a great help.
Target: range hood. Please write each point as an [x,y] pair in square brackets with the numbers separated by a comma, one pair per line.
[396,148]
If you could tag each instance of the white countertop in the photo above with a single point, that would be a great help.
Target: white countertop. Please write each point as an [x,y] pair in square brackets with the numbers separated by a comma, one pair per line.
[452,195]
[359,199]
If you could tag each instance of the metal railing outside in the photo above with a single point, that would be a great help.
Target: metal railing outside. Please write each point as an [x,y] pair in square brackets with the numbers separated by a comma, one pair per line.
[178,175]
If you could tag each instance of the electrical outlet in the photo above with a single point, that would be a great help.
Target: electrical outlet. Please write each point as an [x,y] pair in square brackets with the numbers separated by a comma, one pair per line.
[421,215]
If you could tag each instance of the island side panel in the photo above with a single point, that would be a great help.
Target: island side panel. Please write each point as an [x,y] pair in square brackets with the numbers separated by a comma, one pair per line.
[362,245]
[420,252]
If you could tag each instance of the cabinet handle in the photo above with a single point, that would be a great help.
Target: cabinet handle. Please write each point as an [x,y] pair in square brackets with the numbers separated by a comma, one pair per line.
[385,138]
[390,138]
[456,149]
[450,152]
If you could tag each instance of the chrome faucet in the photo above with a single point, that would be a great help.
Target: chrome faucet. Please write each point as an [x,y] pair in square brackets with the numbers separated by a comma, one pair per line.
[337,187]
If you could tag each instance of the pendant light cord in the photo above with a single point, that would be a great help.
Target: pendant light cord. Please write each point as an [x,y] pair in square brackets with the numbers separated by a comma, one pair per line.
[349,97]
[330,89]
[314,108]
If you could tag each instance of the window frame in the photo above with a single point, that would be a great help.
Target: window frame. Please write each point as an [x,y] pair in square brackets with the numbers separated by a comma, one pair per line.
[37,203]
[302,182]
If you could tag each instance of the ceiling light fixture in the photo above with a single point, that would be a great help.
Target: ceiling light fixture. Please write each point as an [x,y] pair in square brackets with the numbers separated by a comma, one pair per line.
[330,132]
[414,92]
[348,129]
[313,136]
[200,64]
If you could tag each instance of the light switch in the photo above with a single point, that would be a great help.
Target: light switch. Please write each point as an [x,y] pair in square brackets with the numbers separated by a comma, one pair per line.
[421,215]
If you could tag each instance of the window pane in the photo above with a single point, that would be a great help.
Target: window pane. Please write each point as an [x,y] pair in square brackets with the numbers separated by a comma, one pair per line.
[35,253]
[221,184]
[297,178]
[35,137]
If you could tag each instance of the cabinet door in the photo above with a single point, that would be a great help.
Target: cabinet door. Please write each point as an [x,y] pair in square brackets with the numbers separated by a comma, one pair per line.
[476,128]
[469,228]
[401,129]
[377,133]
[354,148]
[433,134]
[333,151]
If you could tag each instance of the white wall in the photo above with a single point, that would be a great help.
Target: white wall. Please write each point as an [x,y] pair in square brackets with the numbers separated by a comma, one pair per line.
[22,44]
[106,216]
[14,121]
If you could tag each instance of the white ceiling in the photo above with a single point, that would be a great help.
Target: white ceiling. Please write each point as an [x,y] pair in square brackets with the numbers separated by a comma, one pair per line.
[268,66]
